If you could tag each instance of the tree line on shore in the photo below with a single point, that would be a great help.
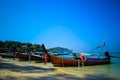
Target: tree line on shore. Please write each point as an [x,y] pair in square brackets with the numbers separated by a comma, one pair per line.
[12,46]
[22,47]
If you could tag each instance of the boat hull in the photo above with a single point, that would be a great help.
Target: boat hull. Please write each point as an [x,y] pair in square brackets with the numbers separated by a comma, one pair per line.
[58,61]
[26,57]
[5,55]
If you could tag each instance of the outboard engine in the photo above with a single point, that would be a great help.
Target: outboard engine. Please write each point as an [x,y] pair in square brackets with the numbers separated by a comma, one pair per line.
[107,55]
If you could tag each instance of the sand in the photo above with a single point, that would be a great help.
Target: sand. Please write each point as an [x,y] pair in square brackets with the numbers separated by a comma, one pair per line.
[23,70]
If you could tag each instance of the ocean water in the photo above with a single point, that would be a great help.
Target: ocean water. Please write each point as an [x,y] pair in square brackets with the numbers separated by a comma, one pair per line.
[102,72]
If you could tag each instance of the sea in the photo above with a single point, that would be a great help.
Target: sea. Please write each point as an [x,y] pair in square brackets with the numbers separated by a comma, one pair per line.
[98,72]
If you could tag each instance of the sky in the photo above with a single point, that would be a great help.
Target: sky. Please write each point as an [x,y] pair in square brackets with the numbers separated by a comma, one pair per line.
[79,25]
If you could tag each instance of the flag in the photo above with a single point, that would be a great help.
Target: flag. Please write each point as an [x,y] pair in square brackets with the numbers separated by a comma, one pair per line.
[104,44]
[101,45]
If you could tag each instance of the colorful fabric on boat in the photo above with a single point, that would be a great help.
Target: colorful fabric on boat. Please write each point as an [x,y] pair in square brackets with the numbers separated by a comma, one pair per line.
[93,59]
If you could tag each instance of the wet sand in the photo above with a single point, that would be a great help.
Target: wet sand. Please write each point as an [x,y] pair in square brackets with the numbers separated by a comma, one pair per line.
[23,70]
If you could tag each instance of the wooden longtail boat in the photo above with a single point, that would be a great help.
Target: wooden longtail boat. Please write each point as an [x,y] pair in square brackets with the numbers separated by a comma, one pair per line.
[26,57]
[6,55]
[58,61]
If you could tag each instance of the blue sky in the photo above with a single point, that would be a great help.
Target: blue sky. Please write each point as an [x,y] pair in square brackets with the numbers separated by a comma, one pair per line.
[80,25]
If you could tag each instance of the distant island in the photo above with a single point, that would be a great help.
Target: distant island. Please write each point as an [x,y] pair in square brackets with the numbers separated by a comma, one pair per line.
[16,46]
[59,49]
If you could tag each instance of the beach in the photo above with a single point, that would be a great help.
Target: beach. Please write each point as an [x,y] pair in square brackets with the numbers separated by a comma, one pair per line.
[24,70]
